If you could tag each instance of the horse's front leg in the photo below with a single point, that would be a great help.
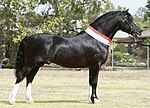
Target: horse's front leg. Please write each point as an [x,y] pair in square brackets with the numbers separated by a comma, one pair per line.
[93,78]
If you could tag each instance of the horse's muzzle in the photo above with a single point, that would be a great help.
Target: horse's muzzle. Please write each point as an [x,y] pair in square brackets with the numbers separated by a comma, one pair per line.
[136,32]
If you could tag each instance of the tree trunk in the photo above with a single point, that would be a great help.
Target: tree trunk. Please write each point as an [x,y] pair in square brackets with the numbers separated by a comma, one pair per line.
[57,15]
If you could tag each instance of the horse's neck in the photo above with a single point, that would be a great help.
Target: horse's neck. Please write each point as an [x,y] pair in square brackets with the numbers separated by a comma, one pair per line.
[108,27]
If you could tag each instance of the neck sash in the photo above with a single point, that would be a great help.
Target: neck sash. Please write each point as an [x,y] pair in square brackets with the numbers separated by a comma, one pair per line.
[98,35]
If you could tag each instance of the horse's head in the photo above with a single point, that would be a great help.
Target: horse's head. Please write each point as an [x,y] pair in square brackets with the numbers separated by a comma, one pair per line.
[128,25]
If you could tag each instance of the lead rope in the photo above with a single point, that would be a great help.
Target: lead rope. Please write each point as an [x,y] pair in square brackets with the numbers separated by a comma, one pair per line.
[135,41]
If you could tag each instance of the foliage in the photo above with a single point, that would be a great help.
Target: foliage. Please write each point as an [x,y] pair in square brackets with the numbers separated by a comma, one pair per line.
[117,56]
[121,47]
[147,41]
[122,55]
[142,17]
[19,18]
[148,10]
[127,58]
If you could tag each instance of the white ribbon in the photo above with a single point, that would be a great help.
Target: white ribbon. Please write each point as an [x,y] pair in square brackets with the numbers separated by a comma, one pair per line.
[98,36]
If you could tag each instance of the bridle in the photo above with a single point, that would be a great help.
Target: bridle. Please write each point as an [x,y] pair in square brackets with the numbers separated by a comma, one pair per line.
[127,22]
[135,38]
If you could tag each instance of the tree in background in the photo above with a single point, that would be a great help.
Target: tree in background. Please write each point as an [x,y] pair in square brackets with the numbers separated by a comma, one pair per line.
[143,18]
[18,18]
[147,14]
[143,15]
[76,14]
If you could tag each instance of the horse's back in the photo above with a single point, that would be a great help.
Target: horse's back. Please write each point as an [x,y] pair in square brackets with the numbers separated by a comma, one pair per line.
[45,38]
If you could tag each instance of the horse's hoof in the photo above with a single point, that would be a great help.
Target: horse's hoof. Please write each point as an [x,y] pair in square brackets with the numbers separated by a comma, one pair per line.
[11,102]
[94,100]
[29,100]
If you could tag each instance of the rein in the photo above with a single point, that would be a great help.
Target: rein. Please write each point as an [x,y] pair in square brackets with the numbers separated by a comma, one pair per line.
[135,41]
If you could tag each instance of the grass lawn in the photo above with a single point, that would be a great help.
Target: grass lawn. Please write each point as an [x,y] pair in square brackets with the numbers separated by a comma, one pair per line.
[69,89]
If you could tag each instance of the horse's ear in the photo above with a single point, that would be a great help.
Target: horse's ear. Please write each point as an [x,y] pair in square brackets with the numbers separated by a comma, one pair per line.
[125,12]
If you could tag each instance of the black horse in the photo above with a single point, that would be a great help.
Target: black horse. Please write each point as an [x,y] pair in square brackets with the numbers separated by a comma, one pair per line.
[88,48]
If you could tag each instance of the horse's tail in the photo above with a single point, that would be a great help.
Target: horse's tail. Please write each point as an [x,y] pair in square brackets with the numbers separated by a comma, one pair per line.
[19,65]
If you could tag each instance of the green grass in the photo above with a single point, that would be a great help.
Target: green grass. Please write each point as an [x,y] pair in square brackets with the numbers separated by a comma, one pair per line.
[69,89]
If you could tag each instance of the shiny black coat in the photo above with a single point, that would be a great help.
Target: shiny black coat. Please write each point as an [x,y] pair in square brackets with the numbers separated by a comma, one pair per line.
[79,51]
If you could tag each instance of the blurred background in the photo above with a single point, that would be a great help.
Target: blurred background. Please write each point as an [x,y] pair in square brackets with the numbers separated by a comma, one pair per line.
[20,18]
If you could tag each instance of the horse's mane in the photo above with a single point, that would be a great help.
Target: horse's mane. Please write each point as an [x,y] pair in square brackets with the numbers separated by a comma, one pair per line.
[106,15]
[101,18]
[109,14]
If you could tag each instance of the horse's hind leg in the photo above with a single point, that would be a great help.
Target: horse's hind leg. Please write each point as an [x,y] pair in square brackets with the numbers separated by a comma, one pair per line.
[29,79]
[12,96]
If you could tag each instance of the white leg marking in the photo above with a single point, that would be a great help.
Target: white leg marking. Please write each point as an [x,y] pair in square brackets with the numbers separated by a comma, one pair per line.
[96,100]
[90,93]
[28,93]
[12,96]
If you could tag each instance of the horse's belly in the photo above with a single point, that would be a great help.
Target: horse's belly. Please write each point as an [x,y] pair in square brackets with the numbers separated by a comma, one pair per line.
[70,61]
[69,56]
[75,60]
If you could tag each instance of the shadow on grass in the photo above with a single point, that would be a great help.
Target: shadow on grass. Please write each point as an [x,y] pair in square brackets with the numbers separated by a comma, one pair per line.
[49,101]
[7,102]
[4,102]
[60,101]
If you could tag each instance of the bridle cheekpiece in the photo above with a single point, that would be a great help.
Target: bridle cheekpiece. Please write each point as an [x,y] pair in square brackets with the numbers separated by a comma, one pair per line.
[126,21]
